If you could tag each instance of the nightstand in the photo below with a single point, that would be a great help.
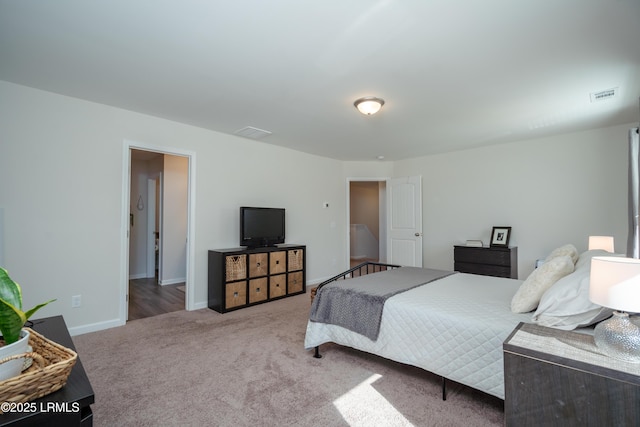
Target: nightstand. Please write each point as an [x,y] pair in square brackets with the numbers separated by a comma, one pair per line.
[486,260]
[559,378]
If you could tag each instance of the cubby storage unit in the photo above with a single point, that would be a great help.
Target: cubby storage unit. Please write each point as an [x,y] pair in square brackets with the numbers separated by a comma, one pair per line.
[240,277]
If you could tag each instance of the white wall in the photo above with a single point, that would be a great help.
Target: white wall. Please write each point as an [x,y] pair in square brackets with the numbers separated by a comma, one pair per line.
[61,193]
[61,183]
[552,191]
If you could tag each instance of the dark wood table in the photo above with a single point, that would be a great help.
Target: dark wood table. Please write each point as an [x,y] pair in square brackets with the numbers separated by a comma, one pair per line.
[560,378]
[77,394]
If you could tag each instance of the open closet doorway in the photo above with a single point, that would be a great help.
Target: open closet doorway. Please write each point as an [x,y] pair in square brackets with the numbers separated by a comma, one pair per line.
[367,215]
[158,198]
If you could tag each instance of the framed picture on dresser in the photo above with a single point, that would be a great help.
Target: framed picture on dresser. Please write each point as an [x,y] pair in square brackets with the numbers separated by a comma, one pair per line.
[500,236]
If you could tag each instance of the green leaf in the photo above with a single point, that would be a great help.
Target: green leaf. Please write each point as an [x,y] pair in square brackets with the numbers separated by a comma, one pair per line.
[9,290]
[29,313]
[11,322]
[12,318]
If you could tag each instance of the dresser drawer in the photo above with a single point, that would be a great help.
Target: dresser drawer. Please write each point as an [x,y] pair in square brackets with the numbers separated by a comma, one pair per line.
[482,256]
[483,269]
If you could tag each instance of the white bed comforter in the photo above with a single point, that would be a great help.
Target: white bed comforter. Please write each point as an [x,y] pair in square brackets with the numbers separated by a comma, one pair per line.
[453,327]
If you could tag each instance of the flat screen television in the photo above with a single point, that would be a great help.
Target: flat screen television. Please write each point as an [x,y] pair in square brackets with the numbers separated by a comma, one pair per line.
[261,226]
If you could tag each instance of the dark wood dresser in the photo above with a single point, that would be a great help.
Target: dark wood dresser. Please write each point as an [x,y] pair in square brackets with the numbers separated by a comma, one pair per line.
[559,378]
[487,261]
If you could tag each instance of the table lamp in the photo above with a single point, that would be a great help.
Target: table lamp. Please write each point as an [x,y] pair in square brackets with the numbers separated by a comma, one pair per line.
[615,283]
[601,242]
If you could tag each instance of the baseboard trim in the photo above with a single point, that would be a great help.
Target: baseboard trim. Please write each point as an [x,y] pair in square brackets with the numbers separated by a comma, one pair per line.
[173,281]
[200,305]
[95,327]
[108,324]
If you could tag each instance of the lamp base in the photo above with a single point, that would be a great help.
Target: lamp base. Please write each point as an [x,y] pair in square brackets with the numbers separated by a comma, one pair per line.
[619,337]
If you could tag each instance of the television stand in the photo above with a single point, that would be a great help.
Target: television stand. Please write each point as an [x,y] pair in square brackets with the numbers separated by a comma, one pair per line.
[242,277]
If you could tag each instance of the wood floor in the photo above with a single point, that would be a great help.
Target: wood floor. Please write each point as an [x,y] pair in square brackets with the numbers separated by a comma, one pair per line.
[147,298]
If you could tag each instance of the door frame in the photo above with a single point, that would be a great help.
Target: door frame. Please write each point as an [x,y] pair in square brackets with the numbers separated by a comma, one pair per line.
[383,213]
[127,146]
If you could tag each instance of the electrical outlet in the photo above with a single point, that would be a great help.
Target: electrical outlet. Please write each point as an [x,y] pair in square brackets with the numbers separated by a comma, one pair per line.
[76,301]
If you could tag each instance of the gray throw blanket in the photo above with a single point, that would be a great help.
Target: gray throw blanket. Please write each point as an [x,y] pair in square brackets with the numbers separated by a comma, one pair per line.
[357,304]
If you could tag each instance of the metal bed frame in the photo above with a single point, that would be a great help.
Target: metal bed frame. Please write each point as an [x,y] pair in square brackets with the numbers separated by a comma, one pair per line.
[361,270]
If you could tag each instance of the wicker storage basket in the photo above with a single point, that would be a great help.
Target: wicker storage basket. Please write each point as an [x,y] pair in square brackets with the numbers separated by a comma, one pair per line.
[296,259]
[52,364]
[236,267]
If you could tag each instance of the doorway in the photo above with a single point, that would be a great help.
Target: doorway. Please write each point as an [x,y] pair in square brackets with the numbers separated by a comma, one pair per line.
[158,242]
[156,275]
[397,203]
[367,215]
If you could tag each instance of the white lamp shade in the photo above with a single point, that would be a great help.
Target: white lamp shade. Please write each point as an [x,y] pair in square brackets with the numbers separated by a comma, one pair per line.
[369,105]
[601,242]
[615,283]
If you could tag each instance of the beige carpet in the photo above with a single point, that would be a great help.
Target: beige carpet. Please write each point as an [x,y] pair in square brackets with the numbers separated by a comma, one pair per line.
[249,368]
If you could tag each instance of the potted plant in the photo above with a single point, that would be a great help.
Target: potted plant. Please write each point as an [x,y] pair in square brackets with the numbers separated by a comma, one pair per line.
[12,320]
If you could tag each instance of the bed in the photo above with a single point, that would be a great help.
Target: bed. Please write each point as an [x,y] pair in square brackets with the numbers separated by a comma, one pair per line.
[454,325]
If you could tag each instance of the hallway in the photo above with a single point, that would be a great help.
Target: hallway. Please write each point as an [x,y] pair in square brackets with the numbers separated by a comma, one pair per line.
[147,298]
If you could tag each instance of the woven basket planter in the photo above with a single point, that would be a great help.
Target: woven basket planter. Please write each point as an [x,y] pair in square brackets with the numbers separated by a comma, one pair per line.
[52,364]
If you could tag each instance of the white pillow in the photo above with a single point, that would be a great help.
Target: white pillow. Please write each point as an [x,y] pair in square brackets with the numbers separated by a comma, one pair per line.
[566,305]
[567,249]
[542,278]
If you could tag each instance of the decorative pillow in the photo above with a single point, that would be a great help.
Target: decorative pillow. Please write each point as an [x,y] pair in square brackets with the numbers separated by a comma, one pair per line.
[566,305]
[542,278]
[568,250]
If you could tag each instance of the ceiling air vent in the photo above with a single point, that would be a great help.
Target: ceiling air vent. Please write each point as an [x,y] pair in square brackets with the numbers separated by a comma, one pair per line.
[604,94]
[251,132]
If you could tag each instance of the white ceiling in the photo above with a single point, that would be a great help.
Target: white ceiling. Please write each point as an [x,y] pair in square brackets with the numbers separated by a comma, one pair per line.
[454,73]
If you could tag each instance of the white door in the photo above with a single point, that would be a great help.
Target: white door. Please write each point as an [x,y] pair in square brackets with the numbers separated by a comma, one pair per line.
[404,237]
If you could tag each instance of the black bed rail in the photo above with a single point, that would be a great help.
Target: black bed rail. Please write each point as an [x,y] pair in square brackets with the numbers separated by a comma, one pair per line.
[361,269]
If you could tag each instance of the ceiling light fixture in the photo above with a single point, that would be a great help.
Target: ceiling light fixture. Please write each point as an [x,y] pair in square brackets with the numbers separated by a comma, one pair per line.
[369,105]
